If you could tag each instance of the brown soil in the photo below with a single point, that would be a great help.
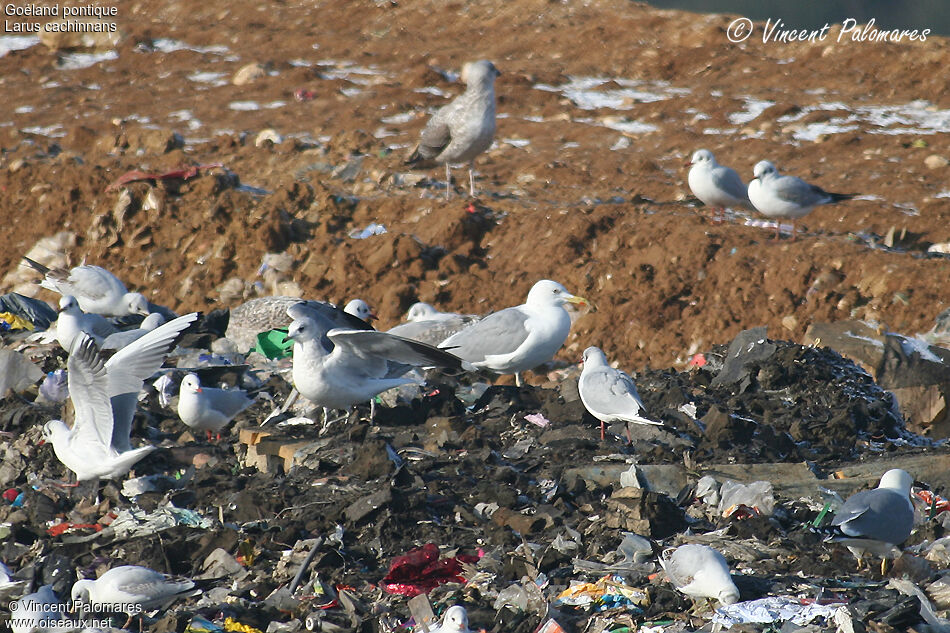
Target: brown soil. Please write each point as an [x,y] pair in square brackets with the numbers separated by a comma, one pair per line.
[617,226]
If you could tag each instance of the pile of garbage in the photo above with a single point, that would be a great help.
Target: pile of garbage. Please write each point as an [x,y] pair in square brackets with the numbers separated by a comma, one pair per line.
[503,500]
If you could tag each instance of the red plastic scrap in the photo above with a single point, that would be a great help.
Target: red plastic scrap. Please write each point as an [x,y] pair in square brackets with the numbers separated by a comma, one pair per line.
[302,94]
[182,173]
[420,571]
[62,528]
[698,360]
[938,503]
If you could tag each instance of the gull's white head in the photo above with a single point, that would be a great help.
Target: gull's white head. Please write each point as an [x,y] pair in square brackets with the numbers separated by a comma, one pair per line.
[481,73]
[456,619]
[729,595]
[548,293]
[594,357]
[898,480]
[81,590]
[703,157]
[764,168]
[55,431]
[152,321]
[69,305]
[135,303]
[420,312]
[360,309]
[302,330]
[190,384]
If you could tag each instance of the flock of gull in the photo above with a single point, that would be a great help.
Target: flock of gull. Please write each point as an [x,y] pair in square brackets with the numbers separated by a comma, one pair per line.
[340,361]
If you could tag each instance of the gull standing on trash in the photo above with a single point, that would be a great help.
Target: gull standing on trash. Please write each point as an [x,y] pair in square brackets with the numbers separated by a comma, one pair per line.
[131,586]
[72,321]
[208,408]
[337,368]
[104,395]
[776,196]
[455,620]
[95,288]
[877,521]
[609,394]
[519,338]
[460,131]
[40,612]
[715,185]
[699,571]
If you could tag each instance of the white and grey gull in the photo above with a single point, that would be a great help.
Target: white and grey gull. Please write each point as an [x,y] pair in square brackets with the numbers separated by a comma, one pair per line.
[521,337]
[776,196]
[95,288]
[717,186]
[609,394]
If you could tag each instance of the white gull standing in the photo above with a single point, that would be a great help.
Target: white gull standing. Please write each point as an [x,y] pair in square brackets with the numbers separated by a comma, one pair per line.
[460,131]
[776,196]
[699,571]
[519,338]
[95,288]
[715,185]
[208,408]
[877,521]
[609,394]
[130,586]
[104,395]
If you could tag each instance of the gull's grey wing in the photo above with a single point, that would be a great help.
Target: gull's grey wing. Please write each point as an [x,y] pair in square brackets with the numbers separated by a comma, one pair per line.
[433,331]
[371,345]
[728,180]
[796,191]
[230,402]
[879,514]
[436,136]
[611,391]
[92,282]
[501,332]
[88,384]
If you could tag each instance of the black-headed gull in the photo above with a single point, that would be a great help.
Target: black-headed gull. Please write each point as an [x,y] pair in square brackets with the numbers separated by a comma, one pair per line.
[458,132]
[776,196]
[519,338]
[95,288]
[609,394]
[129,586]
[72,321]
[209,408]
[717,186]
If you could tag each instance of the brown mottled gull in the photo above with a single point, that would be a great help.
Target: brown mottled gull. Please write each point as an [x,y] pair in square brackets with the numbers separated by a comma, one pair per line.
[463,129]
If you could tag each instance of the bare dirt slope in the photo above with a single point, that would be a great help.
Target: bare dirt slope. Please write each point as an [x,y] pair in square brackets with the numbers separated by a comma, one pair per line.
[585,184]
